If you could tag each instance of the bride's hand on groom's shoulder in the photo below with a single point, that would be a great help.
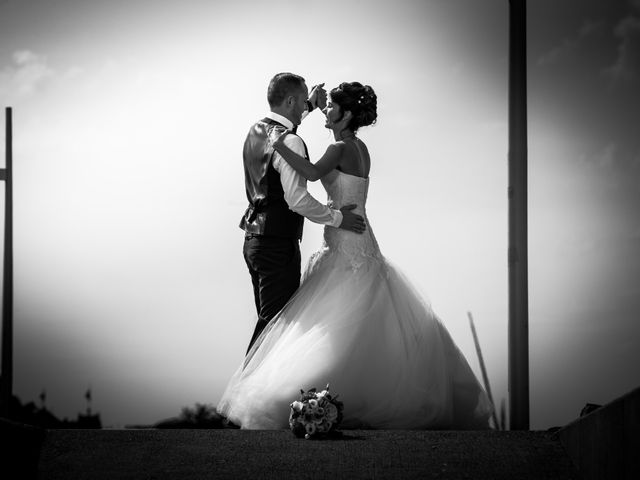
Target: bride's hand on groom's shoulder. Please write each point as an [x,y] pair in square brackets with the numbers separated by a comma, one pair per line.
[278,141]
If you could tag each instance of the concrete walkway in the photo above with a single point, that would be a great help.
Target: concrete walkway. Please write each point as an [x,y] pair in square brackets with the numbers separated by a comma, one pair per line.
[359,454]
[604,444]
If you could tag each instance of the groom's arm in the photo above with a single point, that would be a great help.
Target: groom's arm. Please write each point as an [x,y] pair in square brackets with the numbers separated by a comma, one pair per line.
[295,189]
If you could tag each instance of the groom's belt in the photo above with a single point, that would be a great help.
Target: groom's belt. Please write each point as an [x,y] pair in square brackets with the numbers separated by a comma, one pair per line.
[275,221]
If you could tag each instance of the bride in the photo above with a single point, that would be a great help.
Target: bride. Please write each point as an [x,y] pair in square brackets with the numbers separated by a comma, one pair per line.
[356,322]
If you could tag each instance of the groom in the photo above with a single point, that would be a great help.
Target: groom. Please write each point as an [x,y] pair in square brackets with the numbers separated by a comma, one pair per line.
[279,200]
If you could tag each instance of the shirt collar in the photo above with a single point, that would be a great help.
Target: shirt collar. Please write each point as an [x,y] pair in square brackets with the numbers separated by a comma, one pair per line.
[280,119]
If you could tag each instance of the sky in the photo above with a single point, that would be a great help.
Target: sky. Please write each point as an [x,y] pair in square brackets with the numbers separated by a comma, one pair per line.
[129,119]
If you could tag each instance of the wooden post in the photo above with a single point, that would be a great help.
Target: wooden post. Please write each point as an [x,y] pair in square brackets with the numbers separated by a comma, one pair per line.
[517,194]
[6,386]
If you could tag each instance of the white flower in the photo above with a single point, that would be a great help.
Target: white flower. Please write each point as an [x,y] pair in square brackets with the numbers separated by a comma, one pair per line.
[313,403]
[325,426]
[331,412]
[310,428]
[297,406]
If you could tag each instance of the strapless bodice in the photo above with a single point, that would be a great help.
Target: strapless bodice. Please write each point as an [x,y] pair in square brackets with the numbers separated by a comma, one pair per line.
[345,189]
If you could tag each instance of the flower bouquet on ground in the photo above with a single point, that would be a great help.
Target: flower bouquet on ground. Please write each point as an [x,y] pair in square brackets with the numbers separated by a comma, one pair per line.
[315,414]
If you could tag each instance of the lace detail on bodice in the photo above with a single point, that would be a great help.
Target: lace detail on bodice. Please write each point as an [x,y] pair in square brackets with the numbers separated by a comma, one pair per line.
[358,249]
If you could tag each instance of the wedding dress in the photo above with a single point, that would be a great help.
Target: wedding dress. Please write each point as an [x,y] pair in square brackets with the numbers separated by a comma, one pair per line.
[357,324]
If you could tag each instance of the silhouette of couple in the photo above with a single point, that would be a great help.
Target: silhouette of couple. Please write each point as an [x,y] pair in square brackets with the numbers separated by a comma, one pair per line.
[353,321]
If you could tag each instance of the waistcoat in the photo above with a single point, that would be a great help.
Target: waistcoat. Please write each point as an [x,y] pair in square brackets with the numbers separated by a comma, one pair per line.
[268,213]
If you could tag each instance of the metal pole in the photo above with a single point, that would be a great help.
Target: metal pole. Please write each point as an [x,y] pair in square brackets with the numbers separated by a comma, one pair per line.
[483,369]
[6,387]
[517,193]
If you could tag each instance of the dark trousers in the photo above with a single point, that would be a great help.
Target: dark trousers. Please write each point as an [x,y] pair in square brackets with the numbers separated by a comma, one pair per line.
[274,265]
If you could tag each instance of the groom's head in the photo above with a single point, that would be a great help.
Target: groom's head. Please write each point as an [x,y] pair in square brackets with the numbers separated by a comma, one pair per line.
[287,95]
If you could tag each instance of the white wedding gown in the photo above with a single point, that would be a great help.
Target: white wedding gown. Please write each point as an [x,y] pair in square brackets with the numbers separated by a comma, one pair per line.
[357,324]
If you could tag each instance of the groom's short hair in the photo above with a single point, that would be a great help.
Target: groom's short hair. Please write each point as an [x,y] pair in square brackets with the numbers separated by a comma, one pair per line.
[281,86]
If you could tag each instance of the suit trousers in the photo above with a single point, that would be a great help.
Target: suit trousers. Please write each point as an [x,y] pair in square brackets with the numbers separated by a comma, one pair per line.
[274,265]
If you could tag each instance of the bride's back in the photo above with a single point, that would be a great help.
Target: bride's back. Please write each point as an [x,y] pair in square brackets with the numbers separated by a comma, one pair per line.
[344,188]
[355,158]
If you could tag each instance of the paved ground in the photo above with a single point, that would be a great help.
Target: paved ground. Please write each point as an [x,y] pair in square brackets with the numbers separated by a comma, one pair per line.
[359,454]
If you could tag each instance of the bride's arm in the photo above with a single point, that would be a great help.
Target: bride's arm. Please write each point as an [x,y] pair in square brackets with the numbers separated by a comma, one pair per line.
[304,167]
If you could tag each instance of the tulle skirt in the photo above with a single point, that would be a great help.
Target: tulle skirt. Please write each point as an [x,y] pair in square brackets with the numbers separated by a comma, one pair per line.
[365,331]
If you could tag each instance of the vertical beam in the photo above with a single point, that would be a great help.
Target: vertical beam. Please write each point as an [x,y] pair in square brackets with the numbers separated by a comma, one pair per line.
[6,385]
[517,193]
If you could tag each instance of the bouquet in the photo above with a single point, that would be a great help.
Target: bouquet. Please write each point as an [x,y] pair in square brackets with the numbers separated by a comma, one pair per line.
[315,414]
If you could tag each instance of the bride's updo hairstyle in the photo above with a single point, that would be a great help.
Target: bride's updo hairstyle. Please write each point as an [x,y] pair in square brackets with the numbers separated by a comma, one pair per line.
[360,100]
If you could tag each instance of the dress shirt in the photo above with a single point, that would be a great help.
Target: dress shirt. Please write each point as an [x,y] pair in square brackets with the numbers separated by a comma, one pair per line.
[295,186]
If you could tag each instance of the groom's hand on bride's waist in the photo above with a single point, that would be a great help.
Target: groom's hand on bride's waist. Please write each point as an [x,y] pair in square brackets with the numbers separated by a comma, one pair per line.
[352,221]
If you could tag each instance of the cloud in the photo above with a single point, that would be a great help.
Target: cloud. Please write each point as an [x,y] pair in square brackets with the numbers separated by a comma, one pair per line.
[617,166]
[571,44]
[606,158]
[627,64]
[29,73]
[24,75]
[616,156]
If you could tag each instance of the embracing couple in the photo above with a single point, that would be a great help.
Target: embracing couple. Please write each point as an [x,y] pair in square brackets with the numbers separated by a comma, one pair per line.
[354,321]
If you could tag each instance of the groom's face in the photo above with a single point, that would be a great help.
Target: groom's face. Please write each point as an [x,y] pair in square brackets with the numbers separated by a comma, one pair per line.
[299,104]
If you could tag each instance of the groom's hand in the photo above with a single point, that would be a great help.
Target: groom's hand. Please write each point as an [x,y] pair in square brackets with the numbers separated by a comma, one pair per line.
[352,221]
[318,96]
